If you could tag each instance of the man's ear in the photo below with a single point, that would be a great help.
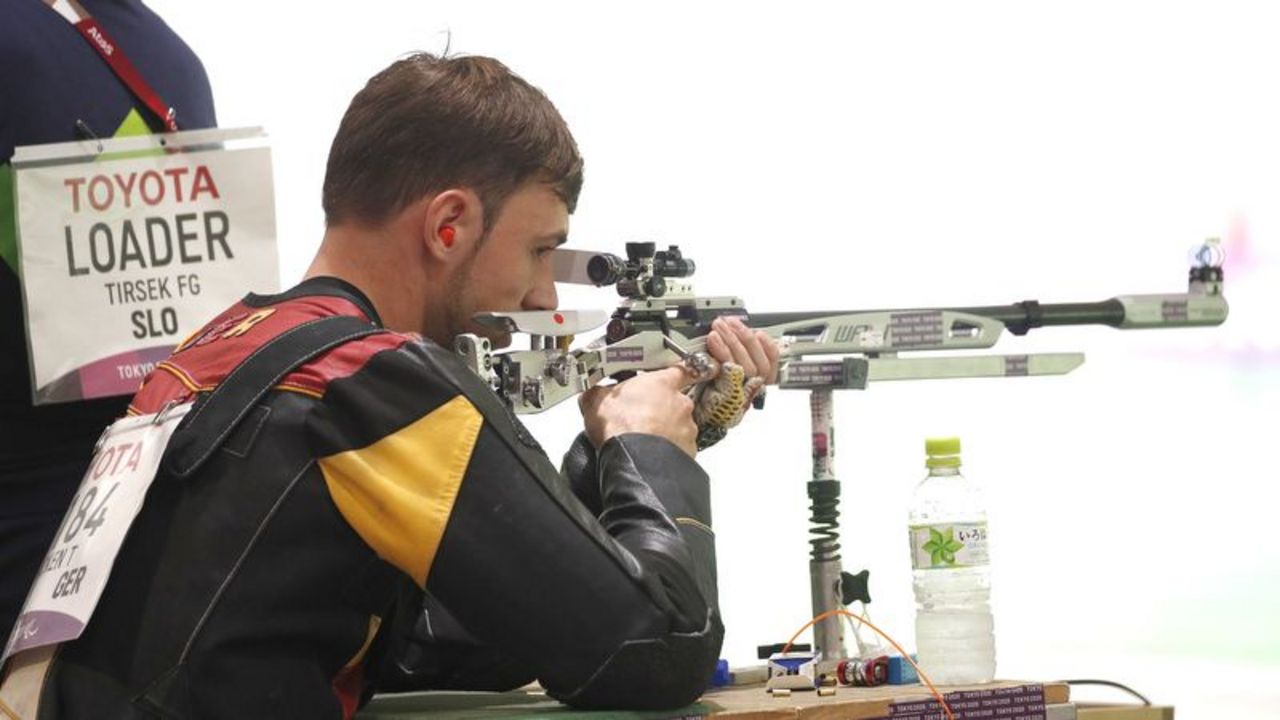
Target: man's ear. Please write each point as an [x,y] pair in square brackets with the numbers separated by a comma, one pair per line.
[452,224]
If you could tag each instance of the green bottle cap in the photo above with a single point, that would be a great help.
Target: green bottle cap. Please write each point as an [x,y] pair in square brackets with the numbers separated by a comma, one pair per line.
[942,452]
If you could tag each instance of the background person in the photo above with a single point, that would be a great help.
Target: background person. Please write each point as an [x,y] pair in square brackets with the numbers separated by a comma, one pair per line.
[56,88]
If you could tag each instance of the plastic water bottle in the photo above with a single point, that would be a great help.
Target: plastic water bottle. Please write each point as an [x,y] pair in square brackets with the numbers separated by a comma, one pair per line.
[955,637]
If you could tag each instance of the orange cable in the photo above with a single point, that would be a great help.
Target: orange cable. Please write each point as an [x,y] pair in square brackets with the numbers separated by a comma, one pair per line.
[884,635]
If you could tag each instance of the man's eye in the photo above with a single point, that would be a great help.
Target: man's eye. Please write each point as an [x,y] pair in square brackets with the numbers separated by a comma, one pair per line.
[545,251]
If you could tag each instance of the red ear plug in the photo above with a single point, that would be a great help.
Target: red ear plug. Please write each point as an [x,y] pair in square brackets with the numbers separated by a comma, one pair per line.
[447,234]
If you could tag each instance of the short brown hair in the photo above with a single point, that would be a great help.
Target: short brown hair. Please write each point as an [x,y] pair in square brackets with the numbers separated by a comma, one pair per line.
[426,124]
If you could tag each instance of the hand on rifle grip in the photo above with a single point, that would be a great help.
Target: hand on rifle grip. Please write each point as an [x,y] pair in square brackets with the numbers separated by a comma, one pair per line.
[653,403]
[748,360]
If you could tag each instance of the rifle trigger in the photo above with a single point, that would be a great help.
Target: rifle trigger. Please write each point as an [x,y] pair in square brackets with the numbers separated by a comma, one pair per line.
[699,363]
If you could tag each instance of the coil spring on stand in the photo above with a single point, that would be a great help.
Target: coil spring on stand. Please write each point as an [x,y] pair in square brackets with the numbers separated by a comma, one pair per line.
[824,514]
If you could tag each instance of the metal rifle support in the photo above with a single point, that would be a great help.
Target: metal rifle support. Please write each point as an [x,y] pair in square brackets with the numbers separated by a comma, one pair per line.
[821,378]
[824,514]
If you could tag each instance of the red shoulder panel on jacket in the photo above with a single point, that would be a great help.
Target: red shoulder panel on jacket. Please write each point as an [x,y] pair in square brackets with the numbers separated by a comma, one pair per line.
[206,357]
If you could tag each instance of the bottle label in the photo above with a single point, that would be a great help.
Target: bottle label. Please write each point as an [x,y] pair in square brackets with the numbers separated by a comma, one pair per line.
[957,545]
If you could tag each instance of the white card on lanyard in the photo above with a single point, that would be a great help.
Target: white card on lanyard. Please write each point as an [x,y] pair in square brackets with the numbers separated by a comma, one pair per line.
[127,245]
[75,570]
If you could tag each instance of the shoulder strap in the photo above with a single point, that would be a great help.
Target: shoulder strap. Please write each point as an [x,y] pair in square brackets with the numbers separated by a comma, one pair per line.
[217,414]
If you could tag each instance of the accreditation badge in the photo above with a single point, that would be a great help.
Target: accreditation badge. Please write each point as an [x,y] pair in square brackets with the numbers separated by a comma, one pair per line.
[75,569]
[127,245]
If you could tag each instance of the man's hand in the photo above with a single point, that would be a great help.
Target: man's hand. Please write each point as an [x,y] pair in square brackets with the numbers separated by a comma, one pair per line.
[732,341]
[652,403]
[655,402]
[748,360]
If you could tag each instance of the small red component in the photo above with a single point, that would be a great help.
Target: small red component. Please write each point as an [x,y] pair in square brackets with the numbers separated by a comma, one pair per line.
[863,673]
[558,318]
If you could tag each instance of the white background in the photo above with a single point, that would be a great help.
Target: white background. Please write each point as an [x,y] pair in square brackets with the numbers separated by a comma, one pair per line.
[866,155]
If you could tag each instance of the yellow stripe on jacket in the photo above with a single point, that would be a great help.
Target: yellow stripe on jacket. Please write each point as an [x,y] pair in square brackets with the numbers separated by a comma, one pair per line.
[398,492]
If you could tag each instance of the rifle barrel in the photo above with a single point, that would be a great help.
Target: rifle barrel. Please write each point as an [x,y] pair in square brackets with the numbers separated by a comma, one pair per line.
[1018,318]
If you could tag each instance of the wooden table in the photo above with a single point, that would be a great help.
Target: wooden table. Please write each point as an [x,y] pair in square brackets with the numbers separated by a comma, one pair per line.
[738,703]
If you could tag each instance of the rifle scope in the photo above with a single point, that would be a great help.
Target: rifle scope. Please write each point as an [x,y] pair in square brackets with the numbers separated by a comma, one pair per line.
[642,273]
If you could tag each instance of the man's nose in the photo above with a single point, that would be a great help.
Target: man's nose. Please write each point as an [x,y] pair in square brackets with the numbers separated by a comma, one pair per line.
[543,296]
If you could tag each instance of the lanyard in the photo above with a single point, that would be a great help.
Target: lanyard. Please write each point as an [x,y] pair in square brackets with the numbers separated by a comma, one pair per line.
[114,57]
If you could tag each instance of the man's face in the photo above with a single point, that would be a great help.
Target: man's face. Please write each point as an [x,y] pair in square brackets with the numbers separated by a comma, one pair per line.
[511,269]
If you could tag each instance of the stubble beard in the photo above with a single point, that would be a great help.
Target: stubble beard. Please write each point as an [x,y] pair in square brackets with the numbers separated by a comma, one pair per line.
[459,309]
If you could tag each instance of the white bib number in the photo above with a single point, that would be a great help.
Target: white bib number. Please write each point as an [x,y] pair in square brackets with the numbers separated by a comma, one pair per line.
[75,570]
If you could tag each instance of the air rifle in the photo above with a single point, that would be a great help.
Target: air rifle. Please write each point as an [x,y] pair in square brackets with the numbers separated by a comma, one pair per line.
[661,322]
